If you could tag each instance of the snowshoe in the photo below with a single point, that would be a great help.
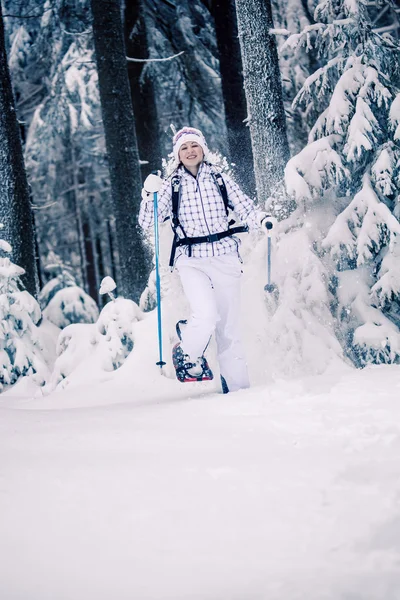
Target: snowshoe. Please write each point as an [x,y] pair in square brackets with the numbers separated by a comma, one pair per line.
[187,371]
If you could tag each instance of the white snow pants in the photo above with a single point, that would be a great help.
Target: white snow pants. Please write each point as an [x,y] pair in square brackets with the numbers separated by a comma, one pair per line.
[212,287]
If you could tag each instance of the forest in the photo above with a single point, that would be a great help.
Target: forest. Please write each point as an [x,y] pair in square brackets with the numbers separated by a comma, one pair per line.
[265,466]
[299,99]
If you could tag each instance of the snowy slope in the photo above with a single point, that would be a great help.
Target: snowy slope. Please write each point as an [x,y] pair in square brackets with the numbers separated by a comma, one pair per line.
[288,491]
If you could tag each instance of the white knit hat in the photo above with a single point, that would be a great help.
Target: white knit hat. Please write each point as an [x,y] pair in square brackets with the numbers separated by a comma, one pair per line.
[189,134]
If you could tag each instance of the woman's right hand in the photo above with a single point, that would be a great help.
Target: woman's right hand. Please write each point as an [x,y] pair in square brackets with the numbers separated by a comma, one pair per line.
[152,183]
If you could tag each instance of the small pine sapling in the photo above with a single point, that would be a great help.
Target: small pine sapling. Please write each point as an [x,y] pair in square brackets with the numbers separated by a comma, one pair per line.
[21,350]
[62,301]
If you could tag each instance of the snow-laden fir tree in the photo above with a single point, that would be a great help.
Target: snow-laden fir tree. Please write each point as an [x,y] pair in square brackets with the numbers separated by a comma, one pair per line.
[62,301]
[21,350]
[96,348]
[349,173]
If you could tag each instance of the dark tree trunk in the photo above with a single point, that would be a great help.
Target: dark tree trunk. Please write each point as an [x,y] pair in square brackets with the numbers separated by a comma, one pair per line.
[90,263]
[111,246]
[264,94]
[142,89]
[15,206]
[100,266]
[123,156]
[230,62]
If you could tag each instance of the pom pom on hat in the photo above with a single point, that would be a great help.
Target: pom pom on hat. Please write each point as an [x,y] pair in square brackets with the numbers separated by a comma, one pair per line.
[189,134]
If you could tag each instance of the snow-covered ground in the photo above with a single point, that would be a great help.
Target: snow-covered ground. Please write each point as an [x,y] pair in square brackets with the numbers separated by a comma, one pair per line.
[286,491]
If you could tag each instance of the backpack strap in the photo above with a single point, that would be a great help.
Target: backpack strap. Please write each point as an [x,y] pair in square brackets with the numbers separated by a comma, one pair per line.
[176,196]
[175,200]
[220,183]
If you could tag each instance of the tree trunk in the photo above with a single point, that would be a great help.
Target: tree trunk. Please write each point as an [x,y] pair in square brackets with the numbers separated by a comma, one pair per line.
[123,157]
[90,269]
[142,88]
[264,94]
[230,63]
[77,200]
[15,206]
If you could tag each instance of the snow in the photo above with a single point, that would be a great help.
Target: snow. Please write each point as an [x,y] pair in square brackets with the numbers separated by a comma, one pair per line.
[313,168]
[361,134]
[382,170]
[359,227]
[108,285]
[71,304]
[125,483]
[154,491]
[5,246]
[394,117]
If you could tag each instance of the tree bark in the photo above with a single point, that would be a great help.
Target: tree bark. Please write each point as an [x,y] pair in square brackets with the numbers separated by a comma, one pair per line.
[142,88]
[122,151]
[15,205]
[230,63]
[264,94]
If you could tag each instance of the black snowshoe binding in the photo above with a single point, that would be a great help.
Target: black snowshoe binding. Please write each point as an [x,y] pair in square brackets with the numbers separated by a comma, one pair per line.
[183,367]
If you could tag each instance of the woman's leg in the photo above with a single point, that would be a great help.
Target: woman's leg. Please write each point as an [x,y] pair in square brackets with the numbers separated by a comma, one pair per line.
[200,294]
[226,279]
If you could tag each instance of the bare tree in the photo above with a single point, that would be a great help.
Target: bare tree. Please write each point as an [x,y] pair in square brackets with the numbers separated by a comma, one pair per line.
[263,88]
[122,151]
[15,205]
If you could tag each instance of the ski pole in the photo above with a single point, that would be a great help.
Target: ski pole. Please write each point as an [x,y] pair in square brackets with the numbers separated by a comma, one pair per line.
[270,287]
[160,363]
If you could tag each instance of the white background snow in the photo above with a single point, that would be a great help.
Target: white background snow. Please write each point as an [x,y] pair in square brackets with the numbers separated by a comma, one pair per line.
[155,490]
[127,484]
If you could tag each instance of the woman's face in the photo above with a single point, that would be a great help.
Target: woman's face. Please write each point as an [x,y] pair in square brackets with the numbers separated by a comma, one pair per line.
[191,154]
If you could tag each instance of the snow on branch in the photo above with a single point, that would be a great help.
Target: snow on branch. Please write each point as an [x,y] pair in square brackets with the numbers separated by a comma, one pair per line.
[297,40]
[319,79]
[387,288]
[394,117]
[349,111]
[149,60]
[383,172]
[274,31]
[361,132]
[363,227]
[315,168]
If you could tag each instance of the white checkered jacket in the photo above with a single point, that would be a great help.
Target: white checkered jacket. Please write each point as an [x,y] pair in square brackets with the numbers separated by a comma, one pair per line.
[202,210]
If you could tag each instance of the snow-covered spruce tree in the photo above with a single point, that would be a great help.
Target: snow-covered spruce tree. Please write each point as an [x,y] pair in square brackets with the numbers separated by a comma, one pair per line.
[350,170]
[99,348]
[263,89]
[21,351]
[62,301]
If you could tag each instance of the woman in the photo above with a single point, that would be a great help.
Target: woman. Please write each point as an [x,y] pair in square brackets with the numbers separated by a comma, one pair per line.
[206,257]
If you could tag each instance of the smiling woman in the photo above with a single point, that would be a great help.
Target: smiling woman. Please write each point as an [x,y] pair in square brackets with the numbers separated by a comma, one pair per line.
[198,198]
[191,156]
